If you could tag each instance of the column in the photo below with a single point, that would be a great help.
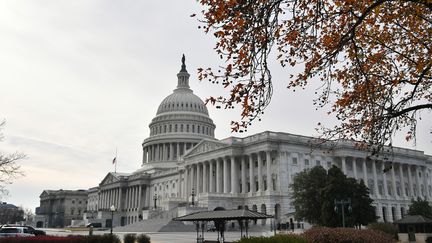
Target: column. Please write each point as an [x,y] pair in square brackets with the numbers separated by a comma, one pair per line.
[187,189]
[134,192]
[119,198]
[198,177]
[410,182]
[234,176]
[393,177]
[171,152]
[418,181]
[193,177]
[269,174]
[139,206]
[365,176]
[205,176]
[386,194]
[260,176]
[225,175]
[425,184]
[218,176]
[178,151]
[354,165]
[180,185]
[151,156]
[402,181]
[344,169]
[211,177]
[375,179]
[243,175]
[144,155]
[251,174]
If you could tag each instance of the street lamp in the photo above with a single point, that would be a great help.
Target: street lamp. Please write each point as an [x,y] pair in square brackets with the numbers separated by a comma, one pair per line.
[155,200]
[343,203]
[193,196]
[112,209]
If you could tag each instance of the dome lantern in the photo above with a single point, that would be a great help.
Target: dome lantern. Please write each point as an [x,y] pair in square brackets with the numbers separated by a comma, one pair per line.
[183,76]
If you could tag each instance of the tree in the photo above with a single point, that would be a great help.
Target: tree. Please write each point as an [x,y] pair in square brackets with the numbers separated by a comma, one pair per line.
[314,201]
[306,194]
[372,58]
[9,168]
[420,207]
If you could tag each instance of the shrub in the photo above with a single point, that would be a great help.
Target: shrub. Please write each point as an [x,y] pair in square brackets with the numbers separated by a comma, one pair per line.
[129,238]
[63,239]
[343,235]
[289,238]
[143,238]
[385,227]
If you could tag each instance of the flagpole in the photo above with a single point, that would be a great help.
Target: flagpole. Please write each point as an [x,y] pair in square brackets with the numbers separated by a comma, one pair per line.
[115,164]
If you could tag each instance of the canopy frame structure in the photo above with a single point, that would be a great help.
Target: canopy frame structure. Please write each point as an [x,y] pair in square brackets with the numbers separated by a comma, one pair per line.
[220,217]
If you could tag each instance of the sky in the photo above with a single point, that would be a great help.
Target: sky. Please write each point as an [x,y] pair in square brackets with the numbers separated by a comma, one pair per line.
[80,78]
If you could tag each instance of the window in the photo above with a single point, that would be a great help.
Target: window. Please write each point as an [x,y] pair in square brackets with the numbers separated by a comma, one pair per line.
[73,201]
[256,164]
[318,163]
[329,164]
[294,161]
[306,161]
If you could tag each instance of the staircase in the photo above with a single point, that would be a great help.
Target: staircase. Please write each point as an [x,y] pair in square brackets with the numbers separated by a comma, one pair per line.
[160,221]
[156,225]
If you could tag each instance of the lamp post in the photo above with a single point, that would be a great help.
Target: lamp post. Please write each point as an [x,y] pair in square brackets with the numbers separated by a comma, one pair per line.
[155,200]
[343,203]
[193,196]
[112,209]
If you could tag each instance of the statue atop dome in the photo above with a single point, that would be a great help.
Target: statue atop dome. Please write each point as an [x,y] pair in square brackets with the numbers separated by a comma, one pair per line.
[183,77]
[183,67]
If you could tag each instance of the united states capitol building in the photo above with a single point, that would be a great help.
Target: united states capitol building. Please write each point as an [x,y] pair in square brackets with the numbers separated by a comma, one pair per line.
[185,168]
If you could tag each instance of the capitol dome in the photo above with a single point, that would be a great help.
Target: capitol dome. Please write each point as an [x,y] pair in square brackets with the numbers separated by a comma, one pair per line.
[182,121]
[182,100]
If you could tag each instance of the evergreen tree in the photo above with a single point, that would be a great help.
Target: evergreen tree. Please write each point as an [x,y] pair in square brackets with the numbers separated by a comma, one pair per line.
[314,192]
[420,207]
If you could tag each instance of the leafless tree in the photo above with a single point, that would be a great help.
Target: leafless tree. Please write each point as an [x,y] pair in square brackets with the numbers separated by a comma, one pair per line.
[9,167]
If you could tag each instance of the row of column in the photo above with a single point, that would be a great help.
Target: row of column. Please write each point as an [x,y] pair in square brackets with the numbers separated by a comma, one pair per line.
[165,151]
[109,197]
[230,174]
[400,166]
[133,198]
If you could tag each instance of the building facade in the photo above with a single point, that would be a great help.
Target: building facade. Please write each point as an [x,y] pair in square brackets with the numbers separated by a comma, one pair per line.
[184,164]
[59,207]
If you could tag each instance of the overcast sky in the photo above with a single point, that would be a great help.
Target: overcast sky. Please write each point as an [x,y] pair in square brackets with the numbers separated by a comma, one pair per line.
[80,78]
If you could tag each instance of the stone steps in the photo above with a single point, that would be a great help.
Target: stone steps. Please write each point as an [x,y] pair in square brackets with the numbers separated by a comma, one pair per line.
[156,225]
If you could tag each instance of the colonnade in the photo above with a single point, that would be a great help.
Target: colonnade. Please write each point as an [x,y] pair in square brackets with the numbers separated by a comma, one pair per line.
[108,197]
[165,151]
[409,186]
[133,198]
[231,174]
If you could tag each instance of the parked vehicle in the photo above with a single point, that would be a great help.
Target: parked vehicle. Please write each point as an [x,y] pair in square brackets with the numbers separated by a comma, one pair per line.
[9,231]
[94,225]
[29,229]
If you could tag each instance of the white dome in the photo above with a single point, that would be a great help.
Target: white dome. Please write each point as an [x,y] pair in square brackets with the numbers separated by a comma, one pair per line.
[182,100]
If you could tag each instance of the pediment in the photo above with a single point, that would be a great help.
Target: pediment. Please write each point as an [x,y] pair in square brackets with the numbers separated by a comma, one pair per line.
[109,178]
[205,146]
